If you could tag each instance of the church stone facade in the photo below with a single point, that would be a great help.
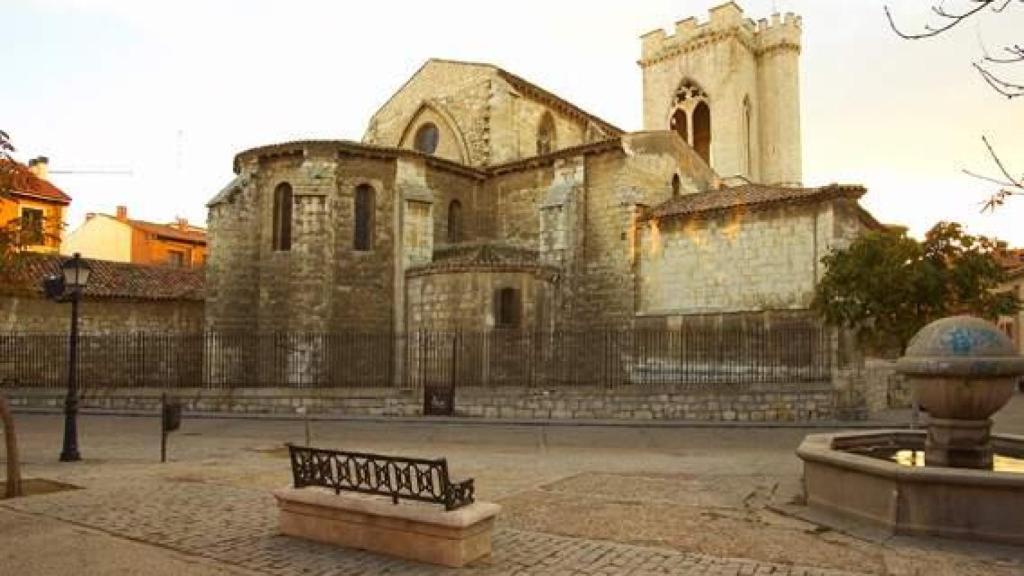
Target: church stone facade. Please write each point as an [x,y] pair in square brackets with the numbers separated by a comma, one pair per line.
[477,200]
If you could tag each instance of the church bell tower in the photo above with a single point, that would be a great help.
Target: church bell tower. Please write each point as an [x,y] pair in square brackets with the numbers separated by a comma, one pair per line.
[730,88]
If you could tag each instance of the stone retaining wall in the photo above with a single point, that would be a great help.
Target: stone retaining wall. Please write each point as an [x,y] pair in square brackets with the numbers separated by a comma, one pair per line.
[755,403]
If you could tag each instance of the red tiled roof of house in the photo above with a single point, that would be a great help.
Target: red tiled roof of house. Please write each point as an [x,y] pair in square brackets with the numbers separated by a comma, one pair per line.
[113,280]
[25,183]
[749,195]
[1010,258]
[171,231]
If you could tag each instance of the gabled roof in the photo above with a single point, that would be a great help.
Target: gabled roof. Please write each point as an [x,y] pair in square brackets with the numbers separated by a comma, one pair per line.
[111,280]
[25,183]
[191,234]
[750,195]
[527,88]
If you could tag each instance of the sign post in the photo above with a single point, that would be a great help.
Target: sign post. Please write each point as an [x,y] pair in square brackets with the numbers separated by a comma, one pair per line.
[170,420]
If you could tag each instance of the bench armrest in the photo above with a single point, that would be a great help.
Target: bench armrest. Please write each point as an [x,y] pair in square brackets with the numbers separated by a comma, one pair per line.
[458,494]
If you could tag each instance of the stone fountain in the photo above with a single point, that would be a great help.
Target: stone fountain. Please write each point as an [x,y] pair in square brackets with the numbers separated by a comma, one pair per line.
[955,479]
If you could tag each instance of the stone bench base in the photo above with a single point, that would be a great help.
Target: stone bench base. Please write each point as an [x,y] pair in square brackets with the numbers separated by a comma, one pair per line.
[412,530]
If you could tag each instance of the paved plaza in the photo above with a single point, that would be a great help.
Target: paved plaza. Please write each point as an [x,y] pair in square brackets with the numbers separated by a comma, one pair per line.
[577,500]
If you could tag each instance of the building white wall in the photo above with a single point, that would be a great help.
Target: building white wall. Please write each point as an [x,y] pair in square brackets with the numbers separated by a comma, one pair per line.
[738,261]
[101,237]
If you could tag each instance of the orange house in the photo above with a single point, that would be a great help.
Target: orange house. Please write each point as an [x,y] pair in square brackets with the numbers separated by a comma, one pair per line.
[118,238]
[35,207]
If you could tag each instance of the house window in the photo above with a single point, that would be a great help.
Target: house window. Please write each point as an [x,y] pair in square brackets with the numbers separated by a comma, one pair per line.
[282,234]
[364,213]
[176,258]
[427,137]
[454,222]
[546,134]
[508,308]
[31,226]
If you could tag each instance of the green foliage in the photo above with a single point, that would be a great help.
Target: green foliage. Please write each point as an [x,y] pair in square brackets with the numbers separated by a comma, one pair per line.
[887,286]
[11,173]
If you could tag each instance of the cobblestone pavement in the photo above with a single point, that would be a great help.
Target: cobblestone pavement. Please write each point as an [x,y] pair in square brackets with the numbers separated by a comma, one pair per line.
[237,526]
[576,500]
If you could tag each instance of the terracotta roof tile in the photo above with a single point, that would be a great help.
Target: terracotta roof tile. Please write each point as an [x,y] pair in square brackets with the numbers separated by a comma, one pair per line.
[25,183]
[170,231]
[749,195]
[485,256]
[1010,258]
[113,280]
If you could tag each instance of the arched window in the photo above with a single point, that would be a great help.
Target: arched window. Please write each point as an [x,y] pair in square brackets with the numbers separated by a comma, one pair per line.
[691,117]
[454,222]
[508,308]
[702,131]
[747,135]
[427,137]
[546,134]
[282,231]
[676,184]
[679,124]
[364,217]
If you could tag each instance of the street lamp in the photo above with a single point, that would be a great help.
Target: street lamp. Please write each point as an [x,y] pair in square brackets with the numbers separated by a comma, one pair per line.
[75,276]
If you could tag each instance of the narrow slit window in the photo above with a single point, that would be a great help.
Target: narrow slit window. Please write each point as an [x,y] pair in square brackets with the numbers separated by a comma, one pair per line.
[282,232]
[364,217]
[546,134]
[454,222]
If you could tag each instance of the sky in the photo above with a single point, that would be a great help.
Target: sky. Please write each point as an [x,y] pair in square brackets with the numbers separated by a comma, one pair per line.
[171,91]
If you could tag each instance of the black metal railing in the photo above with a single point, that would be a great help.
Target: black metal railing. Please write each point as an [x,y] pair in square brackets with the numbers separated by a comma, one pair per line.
[428,359]
[397,477]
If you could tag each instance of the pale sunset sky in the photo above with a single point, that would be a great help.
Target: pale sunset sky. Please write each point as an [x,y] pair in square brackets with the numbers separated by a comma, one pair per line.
[172,90]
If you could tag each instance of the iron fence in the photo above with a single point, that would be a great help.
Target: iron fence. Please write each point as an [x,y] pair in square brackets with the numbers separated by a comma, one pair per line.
[604,357]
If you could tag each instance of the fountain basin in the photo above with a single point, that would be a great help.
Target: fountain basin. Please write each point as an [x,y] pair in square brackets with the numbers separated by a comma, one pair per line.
[840,477]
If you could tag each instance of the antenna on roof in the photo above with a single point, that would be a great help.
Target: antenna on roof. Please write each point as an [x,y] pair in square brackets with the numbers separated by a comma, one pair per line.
[97,171]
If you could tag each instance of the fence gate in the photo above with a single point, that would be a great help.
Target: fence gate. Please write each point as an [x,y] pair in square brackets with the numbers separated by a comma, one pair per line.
[439,385]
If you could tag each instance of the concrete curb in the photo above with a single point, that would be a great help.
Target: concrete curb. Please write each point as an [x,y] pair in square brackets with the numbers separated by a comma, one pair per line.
[480,421]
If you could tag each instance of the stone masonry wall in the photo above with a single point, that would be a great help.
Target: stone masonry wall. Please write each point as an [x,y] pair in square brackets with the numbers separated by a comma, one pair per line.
[726,403]
[463,91]
[465,300]
[41,316]
[233,264]
[736,261]
[361,293]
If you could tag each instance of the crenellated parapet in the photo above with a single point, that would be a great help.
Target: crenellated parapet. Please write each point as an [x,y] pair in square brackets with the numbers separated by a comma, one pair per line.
[724,22]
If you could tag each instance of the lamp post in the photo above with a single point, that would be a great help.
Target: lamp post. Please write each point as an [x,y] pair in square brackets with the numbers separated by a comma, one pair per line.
[76,276]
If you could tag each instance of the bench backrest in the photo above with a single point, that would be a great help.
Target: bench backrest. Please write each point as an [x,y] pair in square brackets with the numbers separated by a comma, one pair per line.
[419,479]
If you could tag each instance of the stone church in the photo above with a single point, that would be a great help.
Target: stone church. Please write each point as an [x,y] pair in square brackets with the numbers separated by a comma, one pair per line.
[477,200]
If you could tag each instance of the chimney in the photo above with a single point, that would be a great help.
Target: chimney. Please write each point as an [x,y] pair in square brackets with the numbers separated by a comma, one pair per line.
[182,223]
[122,213]
[40,166]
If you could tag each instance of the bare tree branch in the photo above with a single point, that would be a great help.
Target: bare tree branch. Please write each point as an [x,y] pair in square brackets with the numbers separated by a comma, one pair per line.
[949,20]
[1010,185]
[952,19]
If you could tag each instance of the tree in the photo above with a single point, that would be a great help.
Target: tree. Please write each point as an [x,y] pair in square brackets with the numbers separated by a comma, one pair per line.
[13,236]
[1009,184]
[13,487]
[887,286]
